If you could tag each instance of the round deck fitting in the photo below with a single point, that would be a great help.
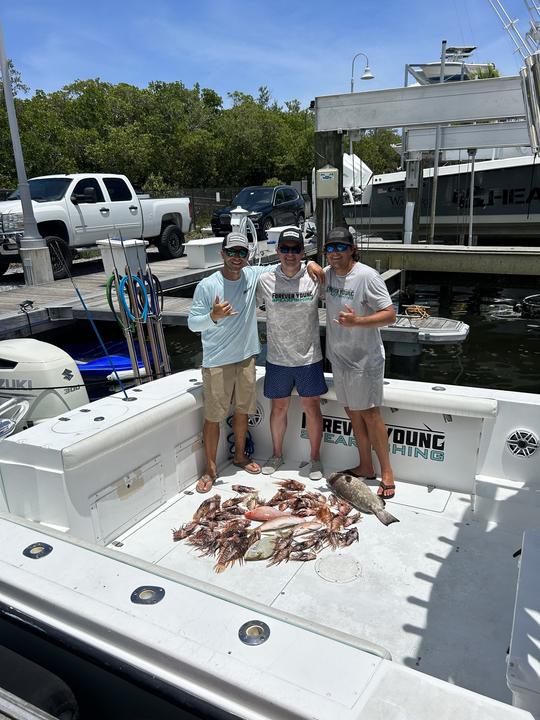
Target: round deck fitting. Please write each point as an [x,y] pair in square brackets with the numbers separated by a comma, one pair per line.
[147,595]
[254,632]
[338,568]
[37,550]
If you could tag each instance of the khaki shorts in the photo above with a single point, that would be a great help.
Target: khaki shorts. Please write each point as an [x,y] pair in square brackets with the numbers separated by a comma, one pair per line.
[229,385]
[359,391]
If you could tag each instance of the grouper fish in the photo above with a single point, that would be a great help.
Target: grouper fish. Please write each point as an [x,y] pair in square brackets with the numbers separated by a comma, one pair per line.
[357,493]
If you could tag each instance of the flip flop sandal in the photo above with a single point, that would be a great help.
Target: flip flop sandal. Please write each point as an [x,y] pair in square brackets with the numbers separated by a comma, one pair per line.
[351,472]
[244,463]
[387,488]
[205,479]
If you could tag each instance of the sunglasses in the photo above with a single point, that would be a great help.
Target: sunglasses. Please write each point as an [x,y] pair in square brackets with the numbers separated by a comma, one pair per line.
[294,249]
[236,252]
[337,247]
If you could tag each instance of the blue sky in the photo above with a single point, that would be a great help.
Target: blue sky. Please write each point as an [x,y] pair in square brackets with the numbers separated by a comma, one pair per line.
[298,49]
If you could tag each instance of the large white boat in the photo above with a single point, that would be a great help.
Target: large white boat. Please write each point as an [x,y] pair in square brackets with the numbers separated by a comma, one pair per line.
[506,181]
[434,615]
[506,202]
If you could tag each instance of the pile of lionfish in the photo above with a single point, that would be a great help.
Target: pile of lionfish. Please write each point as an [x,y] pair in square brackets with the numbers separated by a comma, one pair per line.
[295,524]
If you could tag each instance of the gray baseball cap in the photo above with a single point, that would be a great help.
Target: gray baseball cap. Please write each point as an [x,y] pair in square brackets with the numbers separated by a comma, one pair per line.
[235,239]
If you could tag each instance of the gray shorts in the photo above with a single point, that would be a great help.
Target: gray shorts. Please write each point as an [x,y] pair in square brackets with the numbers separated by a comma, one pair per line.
[359,391]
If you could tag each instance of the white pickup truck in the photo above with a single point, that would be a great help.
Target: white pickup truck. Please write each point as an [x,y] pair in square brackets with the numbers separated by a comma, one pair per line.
[74,211]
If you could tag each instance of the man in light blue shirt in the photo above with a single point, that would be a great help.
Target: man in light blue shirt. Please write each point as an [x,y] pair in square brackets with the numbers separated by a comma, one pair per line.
[223,311]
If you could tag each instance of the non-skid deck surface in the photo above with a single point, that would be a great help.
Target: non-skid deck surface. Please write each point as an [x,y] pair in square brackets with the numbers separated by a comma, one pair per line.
[436,589]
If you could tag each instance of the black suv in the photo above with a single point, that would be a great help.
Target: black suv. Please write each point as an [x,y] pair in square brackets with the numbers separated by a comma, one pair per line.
[268,207]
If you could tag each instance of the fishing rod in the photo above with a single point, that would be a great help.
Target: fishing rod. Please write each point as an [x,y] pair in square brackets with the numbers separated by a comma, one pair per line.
[59,255]
[156,303]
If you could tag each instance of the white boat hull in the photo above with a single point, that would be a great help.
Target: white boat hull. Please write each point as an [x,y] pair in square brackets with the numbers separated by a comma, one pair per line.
[436,590]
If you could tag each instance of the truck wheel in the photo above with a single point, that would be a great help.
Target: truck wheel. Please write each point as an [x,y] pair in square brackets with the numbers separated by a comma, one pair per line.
[171,243]
[3,266]
[267,224]
[61,257]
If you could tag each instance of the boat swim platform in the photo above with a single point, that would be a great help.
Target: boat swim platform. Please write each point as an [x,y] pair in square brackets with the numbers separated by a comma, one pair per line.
[482,260]
[427,589]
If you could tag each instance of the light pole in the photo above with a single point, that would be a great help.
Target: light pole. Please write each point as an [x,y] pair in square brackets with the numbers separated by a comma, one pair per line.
[367,75]
[34,252]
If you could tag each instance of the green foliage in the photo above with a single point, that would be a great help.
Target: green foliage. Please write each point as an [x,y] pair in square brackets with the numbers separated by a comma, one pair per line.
[155,185]
[491,72]
[17,85]
[272,182]
[167,135]
[375,149]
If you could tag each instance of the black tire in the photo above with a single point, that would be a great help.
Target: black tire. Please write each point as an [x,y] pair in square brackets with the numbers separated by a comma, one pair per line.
[171,243]
[3,266]
[61,257]
[300,220]
[265,227]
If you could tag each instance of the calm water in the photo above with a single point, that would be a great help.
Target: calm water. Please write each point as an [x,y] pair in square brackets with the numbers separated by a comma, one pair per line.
[502,350]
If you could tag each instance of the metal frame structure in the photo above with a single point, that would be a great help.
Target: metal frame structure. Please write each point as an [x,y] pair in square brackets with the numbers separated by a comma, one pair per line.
[442,103]
[460,137]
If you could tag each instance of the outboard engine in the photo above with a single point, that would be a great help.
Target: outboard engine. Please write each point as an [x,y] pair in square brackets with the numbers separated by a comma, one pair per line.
[41,374]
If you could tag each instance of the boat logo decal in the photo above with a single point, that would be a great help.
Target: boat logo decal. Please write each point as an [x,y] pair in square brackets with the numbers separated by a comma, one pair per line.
[414,442]
[336,430]
[257,417]
[423,443]
[16,384]
[67,374]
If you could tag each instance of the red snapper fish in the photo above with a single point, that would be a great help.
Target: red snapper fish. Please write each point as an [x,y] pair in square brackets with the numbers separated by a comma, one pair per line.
[280,523]
[265,512]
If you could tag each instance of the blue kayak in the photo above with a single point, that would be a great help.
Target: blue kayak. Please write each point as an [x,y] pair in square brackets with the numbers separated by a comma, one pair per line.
[101,367]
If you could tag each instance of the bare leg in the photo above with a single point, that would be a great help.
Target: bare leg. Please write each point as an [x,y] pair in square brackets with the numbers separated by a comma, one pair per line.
[312,408]
[278,424]
[365,467]
[210,440]
[240,428]
[378,437]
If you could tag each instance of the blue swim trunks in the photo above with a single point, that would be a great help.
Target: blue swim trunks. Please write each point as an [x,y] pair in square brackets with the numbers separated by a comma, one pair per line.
[279,380]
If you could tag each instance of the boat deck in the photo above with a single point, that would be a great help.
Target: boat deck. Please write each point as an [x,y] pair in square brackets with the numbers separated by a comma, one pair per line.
[427,589]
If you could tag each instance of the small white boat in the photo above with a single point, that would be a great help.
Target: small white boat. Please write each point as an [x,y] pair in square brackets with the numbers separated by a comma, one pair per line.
[413,619]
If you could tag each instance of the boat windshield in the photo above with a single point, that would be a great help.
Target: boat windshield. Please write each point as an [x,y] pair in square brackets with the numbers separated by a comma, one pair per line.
[45,189]
[248,197]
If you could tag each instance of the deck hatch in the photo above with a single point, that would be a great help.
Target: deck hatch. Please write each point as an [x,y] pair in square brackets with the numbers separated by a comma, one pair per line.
[127,500]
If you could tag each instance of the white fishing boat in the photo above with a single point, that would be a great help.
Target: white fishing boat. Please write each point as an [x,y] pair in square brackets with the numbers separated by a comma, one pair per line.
[433,614]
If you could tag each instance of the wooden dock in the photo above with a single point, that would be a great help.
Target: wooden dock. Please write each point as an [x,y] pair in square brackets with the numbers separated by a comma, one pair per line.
[57,303]
[28,311]
[452,258]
